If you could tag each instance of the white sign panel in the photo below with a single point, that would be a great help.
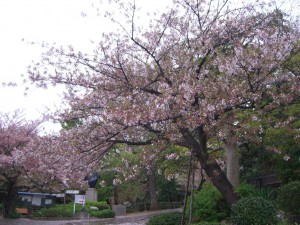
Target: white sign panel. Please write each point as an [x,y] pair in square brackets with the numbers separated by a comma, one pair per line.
[72,192]
[80,199]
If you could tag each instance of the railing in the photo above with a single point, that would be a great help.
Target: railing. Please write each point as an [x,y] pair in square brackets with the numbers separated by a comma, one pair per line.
[145,206]
[264,181]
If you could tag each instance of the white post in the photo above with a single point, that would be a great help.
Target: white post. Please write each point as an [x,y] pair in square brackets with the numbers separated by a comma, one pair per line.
[74,206]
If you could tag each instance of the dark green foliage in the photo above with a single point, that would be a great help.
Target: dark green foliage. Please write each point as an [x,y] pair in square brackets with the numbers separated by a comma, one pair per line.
[253,210]
[288,197]
[209,205]
[245,190]
[100,205]
[168,190]
[105,213]
[204,223]
[165,219]
[14,215]
[63,211]
[53,212]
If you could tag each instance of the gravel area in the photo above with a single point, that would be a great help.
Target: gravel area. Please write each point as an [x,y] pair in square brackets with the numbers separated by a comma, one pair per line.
[129,219]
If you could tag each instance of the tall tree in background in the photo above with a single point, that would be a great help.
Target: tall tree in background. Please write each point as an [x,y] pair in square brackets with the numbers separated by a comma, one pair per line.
[173,80]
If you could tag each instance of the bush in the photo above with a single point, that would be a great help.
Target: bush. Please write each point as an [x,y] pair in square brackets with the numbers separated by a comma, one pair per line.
[93,208]
[254,210]
[105,213]
[288,197]
[207,223]
[100,205]
[245,190]
[165,219]
[64,211]
[14,215]
[209,205]
[53,212]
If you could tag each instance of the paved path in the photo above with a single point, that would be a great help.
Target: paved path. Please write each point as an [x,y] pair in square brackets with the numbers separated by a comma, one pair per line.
[129,219]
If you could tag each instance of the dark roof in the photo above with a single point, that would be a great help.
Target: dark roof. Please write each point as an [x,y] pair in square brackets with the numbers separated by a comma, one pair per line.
[35,194]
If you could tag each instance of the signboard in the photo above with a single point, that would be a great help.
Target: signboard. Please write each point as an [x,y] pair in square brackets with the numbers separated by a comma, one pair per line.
[80,199]
[72,192]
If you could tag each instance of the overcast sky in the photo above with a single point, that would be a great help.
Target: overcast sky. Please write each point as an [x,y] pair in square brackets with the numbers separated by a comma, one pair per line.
[60,21]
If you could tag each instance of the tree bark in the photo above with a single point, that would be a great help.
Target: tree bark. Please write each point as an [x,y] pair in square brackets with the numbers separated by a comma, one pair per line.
[232,163]
[152,191]
[198,143]
[221,182]
[10,199]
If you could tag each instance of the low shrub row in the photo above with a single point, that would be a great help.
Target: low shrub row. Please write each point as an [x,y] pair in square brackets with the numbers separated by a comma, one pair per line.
[105,213]
[95,209]
[58,211]
[165,219]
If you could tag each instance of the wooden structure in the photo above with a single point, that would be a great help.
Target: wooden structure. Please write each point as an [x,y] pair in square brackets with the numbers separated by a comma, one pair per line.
[22,210]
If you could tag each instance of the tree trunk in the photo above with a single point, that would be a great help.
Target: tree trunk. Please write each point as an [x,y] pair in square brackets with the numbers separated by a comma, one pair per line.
[232,163]
[220,181]
[198,143]
[10,200]
[152,191]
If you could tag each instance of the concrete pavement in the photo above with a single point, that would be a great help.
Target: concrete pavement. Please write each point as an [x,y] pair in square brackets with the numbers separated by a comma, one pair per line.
[130,219]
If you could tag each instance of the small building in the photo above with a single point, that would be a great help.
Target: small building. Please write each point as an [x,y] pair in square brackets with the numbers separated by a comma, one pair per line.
[36,199]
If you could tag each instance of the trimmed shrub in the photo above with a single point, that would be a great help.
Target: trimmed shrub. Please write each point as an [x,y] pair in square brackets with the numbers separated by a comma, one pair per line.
[209,205]
[105,213]
[94,208]
[59,211]
[100,205]
[53,212]
[165,219]
[245,190]
[14,215]
[288,197]
[207,223]
[253,210]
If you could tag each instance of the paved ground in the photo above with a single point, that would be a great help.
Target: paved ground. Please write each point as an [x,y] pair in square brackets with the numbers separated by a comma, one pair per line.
[129,219]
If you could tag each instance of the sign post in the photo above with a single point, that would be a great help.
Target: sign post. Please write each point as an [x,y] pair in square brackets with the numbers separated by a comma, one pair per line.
[80,199]
[73,192]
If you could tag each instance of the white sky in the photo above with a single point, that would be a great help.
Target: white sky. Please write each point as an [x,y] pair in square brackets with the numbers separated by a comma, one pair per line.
[26,21]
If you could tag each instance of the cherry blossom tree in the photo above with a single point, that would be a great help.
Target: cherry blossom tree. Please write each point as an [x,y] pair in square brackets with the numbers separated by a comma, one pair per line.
[175,80]
[31,162]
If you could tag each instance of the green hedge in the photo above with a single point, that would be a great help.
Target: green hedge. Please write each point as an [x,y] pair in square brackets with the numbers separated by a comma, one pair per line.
[14,215]
[105,213]
[165,219]
[58,211]
[254,210]
[100,205]
[288,197]
[209,206]
[245,190]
